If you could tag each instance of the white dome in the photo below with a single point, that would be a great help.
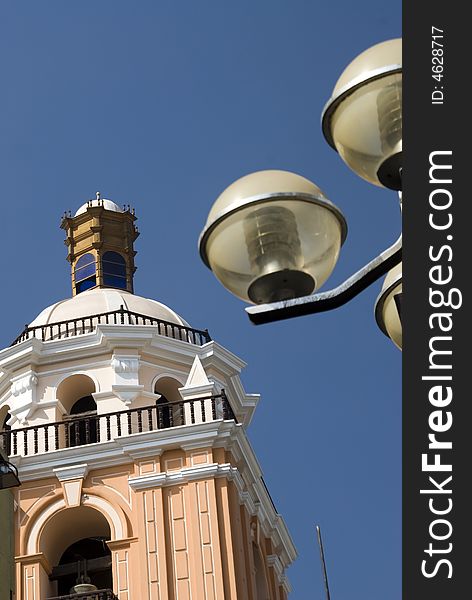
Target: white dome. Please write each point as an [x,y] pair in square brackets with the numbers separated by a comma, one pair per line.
[102,300]
[107,205]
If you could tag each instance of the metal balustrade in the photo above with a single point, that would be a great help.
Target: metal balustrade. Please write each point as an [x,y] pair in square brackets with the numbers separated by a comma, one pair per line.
[92,428]
[83,325]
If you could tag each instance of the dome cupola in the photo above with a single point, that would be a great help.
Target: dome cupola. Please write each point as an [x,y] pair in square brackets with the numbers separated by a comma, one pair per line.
[100,238]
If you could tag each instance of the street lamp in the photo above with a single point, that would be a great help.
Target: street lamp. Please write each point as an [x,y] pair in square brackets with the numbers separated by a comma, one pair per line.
[8,474]
[273,238]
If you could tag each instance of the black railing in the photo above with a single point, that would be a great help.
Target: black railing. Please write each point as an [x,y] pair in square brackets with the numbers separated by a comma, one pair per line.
[92,428]
[82,325]
[96,595]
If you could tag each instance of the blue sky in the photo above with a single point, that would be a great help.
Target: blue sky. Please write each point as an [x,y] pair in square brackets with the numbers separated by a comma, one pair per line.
[162,105]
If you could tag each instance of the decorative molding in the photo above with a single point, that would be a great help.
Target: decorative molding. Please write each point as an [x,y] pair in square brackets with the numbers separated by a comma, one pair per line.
[23,390]
[24,383]
[127,393]
[34,558]
[125,364]
[72,492]
[85,366]
[71,372]
[126,449]
[176,374]
[269,520]
[71,479]
[197,376]
[273,560]
[198,391]
[183,475]
[126,373]
[71,472]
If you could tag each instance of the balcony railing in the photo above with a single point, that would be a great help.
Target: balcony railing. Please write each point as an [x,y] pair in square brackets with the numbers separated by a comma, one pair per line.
[82,325]
[96,595]
[93,428]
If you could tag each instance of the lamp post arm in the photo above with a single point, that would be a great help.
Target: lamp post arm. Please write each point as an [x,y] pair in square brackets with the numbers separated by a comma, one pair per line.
[320,302]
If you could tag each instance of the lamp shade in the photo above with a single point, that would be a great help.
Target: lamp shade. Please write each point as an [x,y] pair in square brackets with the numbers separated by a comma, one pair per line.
[82,588]
[387,307]
[272,235]
[363,118]
[8,474]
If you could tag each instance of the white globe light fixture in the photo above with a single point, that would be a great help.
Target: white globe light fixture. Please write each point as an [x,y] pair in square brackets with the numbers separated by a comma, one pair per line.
[388,306]
[272,238]
[363,118]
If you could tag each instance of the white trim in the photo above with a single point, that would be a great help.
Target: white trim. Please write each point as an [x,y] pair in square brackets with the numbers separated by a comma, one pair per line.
[95,365]
[72,472]
[125,450]
[118,531]
[33,538]
[117,528]
[220,364]
[169,375]
[183,475]
[72,373]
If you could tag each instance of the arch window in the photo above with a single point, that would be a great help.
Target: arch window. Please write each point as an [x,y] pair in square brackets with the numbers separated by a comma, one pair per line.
[74,542]
[82,426]
[85,273]
[114,270]
[169,405]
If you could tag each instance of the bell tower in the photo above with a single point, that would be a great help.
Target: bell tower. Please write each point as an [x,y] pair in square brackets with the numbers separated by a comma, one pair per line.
[100,238]
[128,429]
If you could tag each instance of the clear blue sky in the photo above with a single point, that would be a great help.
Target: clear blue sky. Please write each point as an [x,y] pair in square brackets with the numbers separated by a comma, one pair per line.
[162,105]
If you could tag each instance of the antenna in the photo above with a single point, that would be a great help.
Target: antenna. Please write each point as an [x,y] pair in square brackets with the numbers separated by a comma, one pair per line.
[323,563]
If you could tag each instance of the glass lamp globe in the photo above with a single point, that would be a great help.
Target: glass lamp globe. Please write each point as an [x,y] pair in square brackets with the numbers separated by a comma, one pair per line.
[272,235]
[386,309]
[363,118]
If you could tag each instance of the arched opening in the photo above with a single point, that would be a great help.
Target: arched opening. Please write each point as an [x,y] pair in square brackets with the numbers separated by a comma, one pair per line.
[74,543]
[83,422]
[114,270]
[85,273]
[5,428]
[169,405]
[85,561]
[75,395]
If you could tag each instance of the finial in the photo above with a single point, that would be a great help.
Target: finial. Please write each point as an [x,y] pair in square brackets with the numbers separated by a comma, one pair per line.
[97,195]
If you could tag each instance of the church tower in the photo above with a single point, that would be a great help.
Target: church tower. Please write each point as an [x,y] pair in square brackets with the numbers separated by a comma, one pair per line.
[128,429]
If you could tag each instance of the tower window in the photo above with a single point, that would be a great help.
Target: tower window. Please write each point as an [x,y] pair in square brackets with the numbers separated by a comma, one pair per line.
[114,270]
[85,273]
[83,431]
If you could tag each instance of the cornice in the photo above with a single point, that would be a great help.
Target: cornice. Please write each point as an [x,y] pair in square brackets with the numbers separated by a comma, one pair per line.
[182,476]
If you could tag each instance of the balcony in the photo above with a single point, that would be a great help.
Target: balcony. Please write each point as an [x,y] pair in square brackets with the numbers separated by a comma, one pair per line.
[96,595]
[93,428]
[83,325]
